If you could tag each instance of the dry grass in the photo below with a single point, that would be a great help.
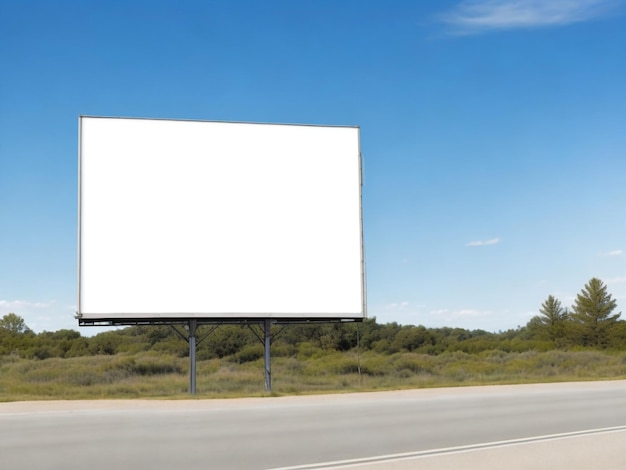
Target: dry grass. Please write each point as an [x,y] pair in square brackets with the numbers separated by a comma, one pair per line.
[149,375]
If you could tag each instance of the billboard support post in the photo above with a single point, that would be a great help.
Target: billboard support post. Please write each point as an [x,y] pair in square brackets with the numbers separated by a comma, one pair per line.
[268,364]
[193,324]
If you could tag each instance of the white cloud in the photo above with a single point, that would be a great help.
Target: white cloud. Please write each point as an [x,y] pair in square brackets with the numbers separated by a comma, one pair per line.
[464,317]
[441,311]
[616,280]
[493,241]
[468,312]
[13,306]
[478,16]
[447,314]
[614,253]
[468,318]
[397,305]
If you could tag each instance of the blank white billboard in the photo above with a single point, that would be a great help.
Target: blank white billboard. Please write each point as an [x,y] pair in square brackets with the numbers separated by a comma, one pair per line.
[195,219]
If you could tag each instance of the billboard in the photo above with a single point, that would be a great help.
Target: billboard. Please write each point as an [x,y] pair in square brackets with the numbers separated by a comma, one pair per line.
[219,220]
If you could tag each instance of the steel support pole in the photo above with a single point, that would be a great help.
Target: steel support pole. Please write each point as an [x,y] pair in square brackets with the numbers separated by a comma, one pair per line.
[193,324]
[268,364]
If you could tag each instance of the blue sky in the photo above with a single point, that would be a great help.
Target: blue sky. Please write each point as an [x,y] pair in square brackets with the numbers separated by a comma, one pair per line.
[493,134]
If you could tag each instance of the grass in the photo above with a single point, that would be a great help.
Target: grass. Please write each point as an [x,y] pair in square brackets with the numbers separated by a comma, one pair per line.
[149,375]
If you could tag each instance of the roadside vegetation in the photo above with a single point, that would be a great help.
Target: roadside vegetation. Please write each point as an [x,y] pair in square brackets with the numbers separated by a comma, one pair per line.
[586,342]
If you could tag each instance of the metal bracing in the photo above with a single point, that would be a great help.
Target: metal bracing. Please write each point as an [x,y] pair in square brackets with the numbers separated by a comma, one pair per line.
[191,327]
[266,340]
[191,338]
[198,341]
[261,336]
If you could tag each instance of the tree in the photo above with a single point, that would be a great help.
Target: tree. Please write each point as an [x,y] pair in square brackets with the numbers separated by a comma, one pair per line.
[410,338]
[593,313]
[552,321]
[13,323]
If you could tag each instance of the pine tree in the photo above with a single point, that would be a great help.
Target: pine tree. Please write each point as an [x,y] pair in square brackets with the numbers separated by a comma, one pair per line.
[592,312]
[552,320]
[552,312]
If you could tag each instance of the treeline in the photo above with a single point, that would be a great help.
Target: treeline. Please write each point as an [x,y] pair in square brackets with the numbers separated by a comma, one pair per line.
[590,323]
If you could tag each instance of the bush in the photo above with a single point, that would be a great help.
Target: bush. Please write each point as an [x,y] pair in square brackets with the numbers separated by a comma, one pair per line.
[415,363]
[251,353]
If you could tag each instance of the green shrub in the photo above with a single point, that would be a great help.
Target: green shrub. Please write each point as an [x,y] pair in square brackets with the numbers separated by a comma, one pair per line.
[414,363]
[251,353]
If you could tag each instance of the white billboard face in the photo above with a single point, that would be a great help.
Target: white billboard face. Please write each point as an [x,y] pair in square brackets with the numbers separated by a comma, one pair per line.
[190,219]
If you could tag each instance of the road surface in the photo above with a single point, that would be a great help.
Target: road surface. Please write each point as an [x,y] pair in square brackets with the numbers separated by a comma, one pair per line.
[269,433]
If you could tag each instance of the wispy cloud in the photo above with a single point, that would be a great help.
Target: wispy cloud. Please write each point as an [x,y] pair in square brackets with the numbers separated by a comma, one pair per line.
[12,306]
[438,312]
[614,253]
[460,313]
[469,318]
[397,305]
[470,312]
[479,16]
[616,280]
[492,241]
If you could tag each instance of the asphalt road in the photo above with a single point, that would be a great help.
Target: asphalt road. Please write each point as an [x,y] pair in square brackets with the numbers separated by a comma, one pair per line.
[265,433]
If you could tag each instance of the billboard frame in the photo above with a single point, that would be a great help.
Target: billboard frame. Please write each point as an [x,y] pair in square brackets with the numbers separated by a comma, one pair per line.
[120,316]
[192,321]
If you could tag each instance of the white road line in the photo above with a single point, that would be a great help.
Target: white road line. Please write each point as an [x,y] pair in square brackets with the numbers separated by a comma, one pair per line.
[450,450]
